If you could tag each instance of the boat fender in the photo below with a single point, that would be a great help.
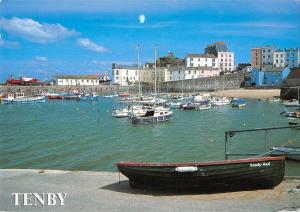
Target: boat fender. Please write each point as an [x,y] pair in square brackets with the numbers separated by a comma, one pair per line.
[186,169]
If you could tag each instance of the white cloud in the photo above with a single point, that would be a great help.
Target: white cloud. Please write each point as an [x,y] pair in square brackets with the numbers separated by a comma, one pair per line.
[90,45]
[41,58]
[35,31]
[142,18]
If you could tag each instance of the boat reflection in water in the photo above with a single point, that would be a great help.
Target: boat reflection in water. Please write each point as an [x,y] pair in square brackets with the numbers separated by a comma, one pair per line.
[253,173]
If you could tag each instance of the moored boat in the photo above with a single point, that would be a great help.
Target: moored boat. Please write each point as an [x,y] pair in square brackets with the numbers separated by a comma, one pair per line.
[19,98]
[291,103]
[152,116]
[203,106]
[188,106]
[254,173]
[238,102]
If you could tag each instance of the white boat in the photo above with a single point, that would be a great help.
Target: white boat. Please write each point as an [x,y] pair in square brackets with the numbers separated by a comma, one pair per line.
[218,101]
[174,105]
[203,106]
[120,113]
[19,98]
[152,116]
[291,103]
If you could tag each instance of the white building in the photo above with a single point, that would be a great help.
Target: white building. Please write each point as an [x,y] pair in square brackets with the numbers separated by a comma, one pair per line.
[226,61]
[125,75]
[201,60]
[77,80]
[267,55]
[181,73]
[279,58]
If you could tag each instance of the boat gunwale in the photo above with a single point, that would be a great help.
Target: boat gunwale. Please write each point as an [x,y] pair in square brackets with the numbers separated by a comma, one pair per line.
[225,162]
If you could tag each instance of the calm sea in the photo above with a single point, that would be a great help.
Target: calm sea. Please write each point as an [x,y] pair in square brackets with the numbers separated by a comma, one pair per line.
[74,135]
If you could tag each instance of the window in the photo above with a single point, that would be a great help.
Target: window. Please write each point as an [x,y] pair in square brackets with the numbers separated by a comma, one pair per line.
[281,55]
[189,72]
[269,50]
[205,59]
[230,55]
[264,51]
[178,72]
[126,72]
[221,55]
[135,73]
[87,81]
[269,56]
[117,72]
[264,56]
[81,80]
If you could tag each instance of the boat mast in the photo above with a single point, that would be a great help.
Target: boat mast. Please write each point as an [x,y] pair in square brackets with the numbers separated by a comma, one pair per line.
[138,66]
[155,56]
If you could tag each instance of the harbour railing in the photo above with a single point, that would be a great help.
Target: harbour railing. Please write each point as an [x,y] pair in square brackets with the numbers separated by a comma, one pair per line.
[231,133]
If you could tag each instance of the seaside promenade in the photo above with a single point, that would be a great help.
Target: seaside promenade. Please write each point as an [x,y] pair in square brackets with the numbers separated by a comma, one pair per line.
[101,191]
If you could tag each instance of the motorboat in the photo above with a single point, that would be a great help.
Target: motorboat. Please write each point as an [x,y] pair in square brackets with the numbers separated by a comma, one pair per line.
[188,106]
[20,98]
[152,116]
[218,101]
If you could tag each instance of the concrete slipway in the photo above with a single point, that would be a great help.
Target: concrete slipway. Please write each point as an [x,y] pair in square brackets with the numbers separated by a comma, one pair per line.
[101,191]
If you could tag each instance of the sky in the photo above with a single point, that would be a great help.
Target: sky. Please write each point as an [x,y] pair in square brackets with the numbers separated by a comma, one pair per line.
[52,37]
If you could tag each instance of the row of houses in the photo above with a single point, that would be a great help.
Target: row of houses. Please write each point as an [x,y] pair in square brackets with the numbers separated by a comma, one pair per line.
[217,59]
[88,80]
[270,56]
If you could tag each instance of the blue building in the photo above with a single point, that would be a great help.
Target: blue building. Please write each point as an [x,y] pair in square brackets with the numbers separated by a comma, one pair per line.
[269,76]
[292,57]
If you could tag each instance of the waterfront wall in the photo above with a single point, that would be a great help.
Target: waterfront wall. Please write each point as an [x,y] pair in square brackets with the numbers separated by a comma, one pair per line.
[228,81]
[100,89]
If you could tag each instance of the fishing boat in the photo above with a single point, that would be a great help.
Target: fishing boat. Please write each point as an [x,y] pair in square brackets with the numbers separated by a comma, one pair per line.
[252,173]
[20,98]
[188,106]
[292,153]
[152,116]
[238,102]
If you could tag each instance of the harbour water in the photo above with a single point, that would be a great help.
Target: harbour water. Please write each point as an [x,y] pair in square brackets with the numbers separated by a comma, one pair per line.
[73,135]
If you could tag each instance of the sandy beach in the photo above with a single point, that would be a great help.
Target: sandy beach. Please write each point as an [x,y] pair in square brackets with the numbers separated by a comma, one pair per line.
[243,93]
[250,93]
